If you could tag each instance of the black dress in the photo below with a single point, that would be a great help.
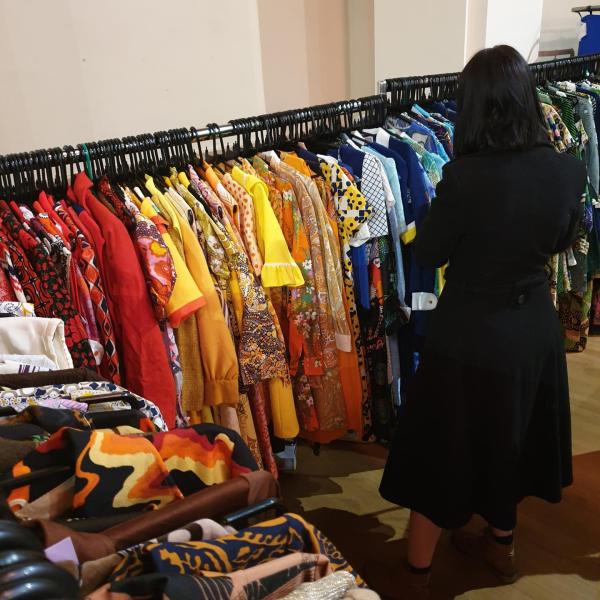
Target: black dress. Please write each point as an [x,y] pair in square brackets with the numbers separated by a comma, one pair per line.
[487,420]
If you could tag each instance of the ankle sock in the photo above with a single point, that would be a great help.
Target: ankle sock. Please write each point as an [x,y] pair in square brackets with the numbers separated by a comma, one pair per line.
[418,570]
[505,540]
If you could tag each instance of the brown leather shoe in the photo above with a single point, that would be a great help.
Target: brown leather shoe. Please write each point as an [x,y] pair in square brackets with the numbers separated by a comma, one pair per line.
[396,583]
[499,558]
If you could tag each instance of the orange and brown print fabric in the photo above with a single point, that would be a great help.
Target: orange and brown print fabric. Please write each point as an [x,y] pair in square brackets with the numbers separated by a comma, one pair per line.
[114,473]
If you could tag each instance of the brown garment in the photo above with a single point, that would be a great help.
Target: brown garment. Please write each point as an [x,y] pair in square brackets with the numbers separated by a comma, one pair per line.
[52,505]
[186,335]
[95,573]
[88,546]
[210,503]
[12,451]
[16,381]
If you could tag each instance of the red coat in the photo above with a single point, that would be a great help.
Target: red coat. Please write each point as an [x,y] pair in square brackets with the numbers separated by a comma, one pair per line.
[144,361]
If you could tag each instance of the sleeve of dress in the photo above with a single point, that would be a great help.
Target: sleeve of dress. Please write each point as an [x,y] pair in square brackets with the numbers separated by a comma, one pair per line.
[574,211]
[279,268]
[219,359]
[442,227]
[571,228]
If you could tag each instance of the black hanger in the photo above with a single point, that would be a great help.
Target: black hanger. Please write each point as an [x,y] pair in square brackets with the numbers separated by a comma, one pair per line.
[163,154]
[186,149]
[213,129]
[111,157]
[130,148]
[3,178]
[123,166]
[59,182]
[177,157]
[253,125]
[39,170]
[196,157]
[18,161]
[8,181]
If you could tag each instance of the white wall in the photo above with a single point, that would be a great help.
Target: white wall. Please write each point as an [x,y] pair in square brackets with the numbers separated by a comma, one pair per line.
[81,70]
[560,27]
[476,27]
[414,37]
[516,23]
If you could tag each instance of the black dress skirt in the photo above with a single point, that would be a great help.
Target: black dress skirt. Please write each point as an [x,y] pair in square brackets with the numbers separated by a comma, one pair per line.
[487,419]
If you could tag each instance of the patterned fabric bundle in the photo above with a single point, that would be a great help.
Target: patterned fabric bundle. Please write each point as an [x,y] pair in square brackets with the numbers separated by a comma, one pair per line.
[269,580]
[59,396]
[116,473]
[38,423]
[251,547]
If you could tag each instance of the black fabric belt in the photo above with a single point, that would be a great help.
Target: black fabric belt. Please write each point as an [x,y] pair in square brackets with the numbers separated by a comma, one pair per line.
[516,294]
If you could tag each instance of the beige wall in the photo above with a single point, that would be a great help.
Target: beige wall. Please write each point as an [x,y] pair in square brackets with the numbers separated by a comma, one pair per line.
[77,70]
[82,70]
[560,27]
[360,15]
[304,56]
[284,53]
[414,37]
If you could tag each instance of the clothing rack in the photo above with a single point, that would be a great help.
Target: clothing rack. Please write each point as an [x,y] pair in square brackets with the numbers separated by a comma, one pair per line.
[21,172]
[443,86]
[588,8]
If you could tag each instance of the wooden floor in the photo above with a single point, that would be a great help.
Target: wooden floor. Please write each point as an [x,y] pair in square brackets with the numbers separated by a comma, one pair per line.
[558,546]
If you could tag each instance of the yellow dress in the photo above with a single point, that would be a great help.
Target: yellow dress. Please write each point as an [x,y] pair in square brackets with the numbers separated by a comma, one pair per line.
[279,267]
[219,358]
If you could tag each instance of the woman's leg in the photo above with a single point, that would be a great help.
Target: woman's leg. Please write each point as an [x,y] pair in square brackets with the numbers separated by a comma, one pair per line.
[423,536]
[500,533]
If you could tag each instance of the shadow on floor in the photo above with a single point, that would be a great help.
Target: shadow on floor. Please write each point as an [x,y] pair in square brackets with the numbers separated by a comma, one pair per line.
[551,539]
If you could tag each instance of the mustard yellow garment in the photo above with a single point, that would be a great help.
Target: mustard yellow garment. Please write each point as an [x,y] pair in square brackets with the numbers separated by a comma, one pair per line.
[219,359]
[283,409]
[279,267]
[186,297]
[186,334]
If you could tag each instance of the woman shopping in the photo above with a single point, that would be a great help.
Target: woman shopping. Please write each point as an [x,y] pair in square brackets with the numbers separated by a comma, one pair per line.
[487,421]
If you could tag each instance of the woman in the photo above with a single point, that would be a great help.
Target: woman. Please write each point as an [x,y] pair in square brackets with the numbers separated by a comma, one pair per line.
[487,420]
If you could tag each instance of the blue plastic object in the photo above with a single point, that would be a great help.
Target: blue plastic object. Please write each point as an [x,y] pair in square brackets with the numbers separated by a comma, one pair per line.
[590,42]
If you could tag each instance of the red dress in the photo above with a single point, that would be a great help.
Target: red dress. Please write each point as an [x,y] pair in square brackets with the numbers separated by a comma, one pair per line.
[144,361]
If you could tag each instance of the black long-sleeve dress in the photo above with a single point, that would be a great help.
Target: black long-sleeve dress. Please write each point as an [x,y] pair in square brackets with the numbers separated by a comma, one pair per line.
[487,420]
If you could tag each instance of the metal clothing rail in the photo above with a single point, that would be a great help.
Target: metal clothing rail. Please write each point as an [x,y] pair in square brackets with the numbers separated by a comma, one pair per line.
[407,90]
[152,148]
[589,8]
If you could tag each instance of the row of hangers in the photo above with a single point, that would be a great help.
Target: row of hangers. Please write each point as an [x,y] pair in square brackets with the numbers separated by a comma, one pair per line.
[574,68]
[405,91]
[24,173]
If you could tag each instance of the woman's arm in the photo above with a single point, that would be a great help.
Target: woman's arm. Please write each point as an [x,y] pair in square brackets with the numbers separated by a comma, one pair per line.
[443,226]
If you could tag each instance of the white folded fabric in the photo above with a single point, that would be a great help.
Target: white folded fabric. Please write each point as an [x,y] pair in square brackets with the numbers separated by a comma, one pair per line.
[25,363]
[35,336]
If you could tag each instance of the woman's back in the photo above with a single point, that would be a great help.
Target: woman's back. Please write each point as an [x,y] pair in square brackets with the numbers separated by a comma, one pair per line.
[502,215]
[486,420]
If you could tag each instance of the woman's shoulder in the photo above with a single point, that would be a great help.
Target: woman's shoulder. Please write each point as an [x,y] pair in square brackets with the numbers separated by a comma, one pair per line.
[543,156]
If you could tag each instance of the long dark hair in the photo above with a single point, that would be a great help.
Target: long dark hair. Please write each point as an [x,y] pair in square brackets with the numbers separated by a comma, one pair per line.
[498,108]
